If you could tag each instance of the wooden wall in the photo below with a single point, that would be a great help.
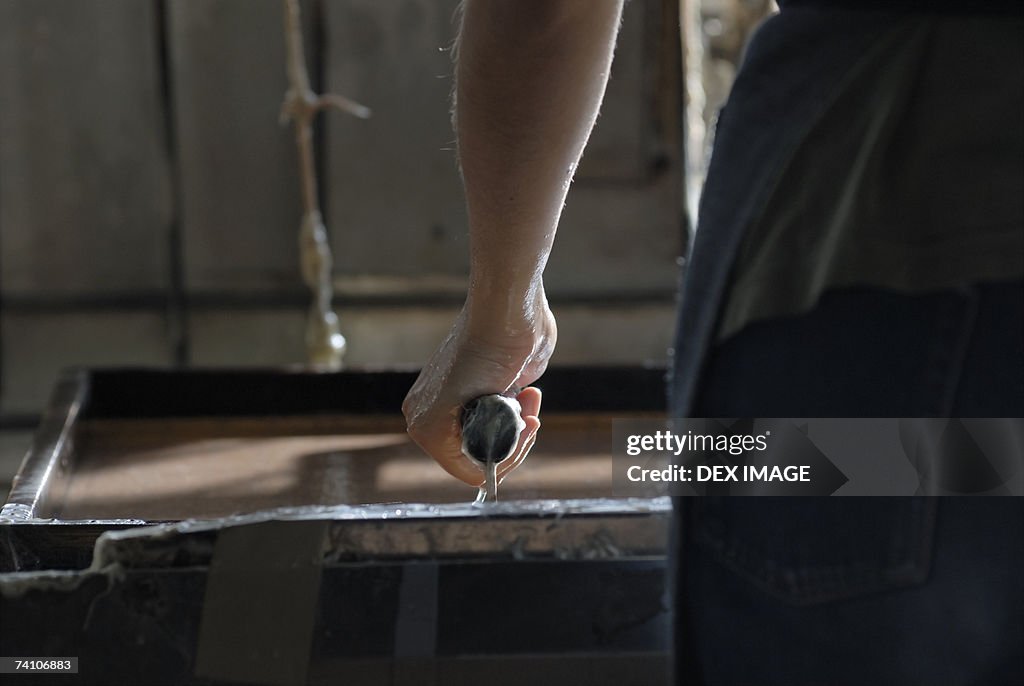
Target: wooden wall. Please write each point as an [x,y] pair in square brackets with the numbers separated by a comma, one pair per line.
[149,206]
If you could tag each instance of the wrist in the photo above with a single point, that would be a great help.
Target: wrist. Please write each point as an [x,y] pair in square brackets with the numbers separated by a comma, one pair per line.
[513,307]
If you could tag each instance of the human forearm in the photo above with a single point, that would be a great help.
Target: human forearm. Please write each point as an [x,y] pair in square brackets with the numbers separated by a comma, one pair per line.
[529,81]
[530,78]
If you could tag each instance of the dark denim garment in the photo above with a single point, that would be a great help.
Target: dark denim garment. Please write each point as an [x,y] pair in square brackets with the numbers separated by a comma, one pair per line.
[778,95]
[819,591]
[902,590]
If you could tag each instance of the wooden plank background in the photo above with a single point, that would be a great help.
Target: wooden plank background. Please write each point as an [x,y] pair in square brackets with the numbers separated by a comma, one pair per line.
[148,196]
[85,198]
[239,190]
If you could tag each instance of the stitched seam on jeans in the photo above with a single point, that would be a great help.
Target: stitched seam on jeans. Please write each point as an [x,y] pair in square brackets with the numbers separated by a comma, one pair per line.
[819,584]
[822,583]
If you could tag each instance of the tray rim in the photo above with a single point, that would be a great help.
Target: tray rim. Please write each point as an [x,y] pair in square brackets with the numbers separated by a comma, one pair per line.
[81,394]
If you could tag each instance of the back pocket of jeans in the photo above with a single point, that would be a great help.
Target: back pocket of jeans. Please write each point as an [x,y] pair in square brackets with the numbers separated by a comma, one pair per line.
[814,550]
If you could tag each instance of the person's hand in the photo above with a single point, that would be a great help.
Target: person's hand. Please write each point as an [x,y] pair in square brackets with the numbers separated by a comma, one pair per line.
[487,351]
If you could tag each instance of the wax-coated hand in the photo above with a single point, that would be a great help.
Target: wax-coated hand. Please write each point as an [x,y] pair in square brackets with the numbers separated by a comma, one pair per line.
[481,355]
